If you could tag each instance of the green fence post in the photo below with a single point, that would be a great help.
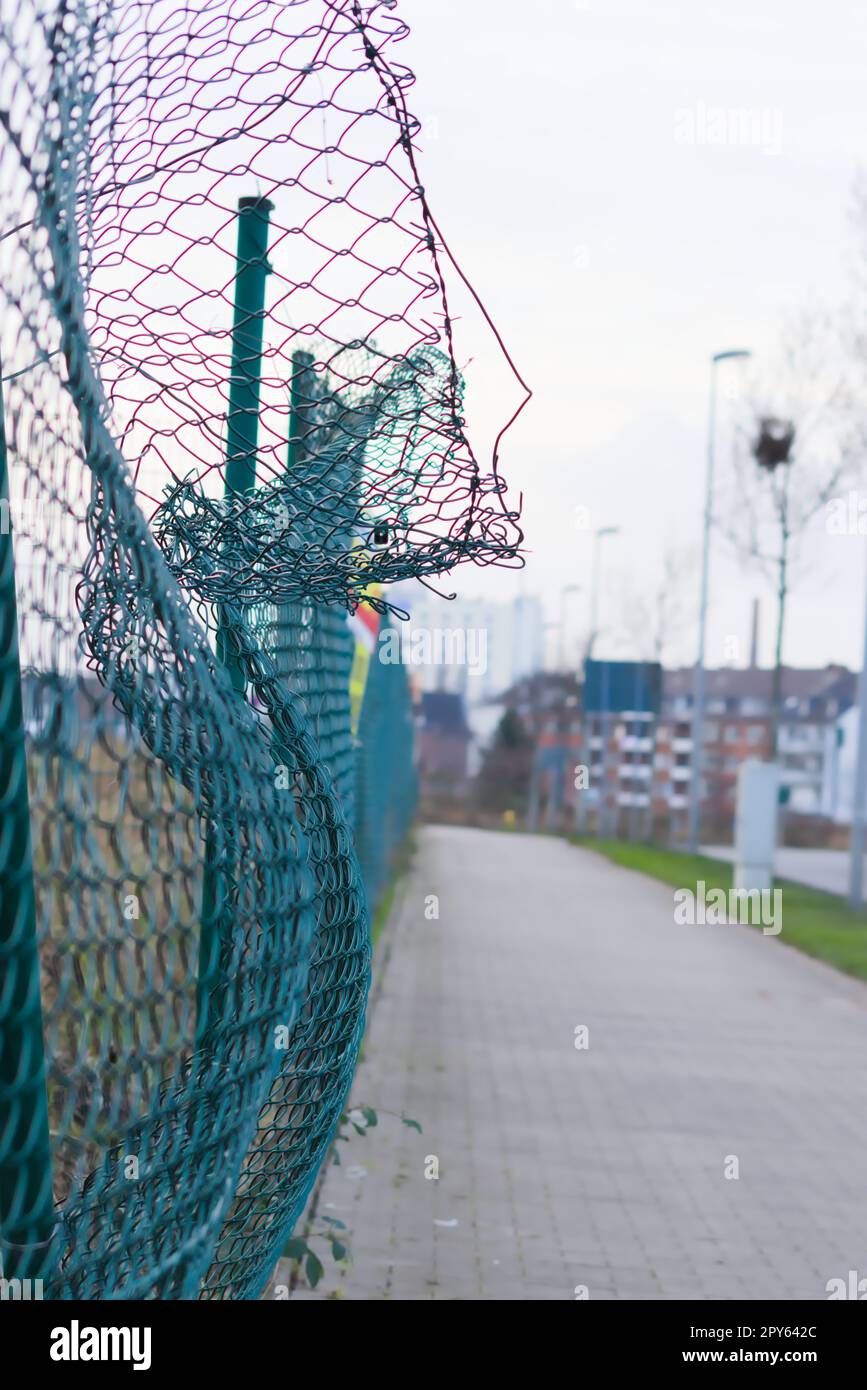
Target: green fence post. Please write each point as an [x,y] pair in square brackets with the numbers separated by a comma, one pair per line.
[301,421]
[242,423]
[26,1199]
[242,434]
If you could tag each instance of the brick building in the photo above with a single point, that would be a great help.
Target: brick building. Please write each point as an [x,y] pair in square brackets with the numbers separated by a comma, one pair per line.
[737,726]
[640,767]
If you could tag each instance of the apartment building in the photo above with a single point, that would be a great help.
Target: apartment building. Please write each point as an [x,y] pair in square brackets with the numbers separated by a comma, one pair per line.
[737,726]
[640,765]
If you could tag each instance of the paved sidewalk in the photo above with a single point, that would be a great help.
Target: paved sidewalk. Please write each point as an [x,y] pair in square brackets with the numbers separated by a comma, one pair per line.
[603,1167]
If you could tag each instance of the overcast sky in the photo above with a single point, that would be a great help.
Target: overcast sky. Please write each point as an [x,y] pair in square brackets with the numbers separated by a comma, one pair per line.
[571,153]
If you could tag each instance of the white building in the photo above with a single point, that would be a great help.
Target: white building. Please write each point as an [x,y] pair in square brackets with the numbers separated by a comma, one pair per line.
[473,647]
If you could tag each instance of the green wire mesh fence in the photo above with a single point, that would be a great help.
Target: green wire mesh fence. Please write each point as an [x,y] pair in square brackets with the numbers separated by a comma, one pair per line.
[230,406]
[386,788]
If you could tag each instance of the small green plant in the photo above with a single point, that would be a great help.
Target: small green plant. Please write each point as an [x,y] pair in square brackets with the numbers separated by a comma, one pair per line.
[298,1248]
[362,1119]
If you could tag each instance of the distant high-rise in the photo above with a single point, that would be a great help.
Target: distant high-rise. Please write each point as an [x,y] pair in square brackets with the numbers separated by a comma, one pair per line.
[474,647]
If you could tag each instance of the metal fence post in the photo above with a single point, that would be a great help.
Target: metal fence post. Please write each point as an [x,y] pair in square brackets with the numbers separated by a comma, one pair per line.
[242,435]
[301,421]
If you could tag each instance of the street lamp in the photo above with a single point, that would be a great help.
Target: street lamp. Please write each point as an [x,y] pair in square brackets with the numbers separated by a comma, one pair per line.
[733,354]
[601,531]
[564,593]
[857,831]
[549,627]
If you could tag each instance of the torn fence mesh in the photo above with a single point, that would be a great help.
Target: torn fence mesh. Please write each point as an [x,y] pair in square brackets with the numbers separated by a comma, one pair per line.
[230,405]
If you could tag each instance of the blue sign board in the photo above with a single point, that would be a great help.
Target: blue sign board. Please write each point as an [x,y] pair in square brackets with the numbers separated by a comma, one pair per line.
[612,687]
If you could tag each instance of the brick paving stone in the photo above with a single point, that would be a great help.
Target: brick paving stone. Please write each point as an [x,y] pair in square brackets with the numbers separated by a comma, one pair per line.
[602,1167]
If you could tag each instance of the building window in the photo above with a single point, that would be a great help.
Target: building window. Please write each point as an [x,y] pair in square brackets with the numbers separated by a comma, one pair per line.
[752,708]
[731,734]
[800,733]
[755,734]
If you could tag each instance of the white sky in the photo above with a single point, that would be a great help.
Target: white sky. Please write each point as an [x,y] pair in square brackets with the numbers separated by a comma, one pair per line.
[616,259]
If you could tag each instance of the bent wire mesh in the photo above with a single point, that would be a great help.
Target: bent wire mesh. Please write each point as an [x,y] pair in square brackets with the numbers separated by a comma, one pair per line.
[230,406]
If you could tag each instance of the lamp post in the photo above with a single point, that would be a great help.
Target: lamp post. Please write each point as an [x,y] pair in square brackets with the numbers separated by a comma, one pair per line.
[601,533]
[733,354]
[856,834]
[602,811]
[566,590]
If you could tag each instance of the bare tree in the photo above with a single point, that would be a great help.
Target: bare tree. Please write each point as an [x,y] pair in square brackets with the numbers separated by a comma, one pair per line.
[799,441]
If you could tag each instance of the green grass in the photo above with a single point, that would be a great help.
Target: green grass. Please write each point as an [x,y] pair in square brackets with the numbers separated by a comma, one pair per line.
[381,915]
[400,868]
[819,924]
